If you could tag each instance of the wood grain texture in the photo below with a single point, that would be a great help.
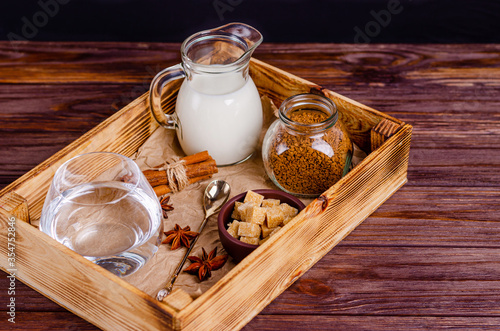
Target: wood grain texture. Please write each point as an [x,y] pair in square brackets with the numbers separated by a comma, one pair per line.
[15,205]
[447,212]
[371,323]
[381,132]
[424,283]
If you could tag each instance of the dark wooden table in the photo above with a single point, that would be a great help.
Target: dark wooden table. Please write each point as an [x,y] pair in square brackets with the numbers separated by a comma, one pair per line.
[429,258]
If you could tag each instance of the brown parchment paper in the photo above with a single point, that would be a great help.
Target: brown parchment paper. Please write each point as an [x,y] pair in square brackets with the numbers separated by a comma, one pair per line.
[188,209]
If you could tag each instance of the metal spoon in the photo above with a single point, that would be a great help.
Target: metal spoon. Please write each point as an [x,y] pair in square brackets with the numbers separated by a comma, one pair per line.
[216,195]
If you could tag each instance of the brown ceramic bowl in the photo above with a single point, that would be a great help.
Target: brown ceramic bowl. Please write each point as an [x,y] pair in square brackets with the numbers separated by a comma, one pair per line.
[237,249]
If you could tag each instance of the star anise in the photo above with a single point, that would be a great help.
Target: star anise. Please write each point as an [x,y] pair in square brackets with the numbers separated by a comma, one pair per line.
[203,267]
[165,207]
[179,237]
[127,178]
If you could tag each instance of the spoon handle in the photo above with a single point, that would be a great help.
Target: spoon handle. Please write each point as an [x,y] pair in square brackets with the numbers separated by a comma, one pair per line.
[168,288]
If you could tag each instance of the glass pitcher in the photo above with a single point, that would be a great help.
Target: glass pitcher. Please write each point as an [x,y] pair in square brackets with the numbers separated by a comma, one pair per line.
[218,107]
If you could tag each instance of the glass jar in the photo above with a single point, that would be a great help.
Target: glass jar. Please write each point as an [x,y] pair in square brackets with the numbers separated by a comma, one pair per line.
[307,149]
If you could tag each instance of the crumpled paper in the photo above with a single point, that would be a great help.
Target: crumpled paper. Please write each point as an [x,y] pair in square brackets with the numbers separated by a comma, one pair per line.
[188,209]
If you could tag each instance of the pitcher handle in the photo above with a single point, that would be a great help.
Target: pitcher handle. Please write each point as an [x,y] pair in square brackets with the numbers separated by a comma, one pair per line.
[155,91]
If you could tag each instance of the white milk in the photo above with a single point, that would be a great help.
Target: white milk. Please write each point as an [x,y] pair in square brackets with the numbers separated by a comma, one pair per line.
[220,113]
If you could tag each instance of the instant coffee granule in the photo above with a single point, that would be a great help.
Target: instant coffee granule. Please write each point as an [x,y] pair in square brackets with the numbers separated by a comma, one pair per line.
[309,163]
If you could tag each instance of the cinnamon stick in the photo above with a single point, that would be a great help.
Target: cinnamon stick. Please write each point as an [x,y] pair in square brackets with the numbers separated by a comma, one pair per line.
[164,189]
[195,158]
[208,167]
[201,169]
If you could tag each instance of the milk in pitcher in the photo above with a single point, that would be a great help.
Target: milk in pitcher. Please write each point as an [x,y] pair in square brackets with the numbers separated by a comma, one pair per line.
[219,113]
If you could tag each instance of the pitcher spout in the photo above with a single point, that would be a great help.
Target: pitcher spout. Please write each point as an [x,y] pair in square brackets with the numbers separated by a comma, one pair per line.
[252,37]
[230,44]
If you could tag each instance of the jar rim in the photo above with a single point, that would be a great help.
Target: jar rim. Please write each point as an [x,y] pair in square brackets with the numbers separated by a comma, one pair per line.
[309,101]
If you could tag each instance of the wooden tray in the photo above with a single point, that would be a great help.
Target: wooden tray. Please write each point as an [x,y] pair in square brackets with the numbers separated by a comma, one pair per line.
[111,303]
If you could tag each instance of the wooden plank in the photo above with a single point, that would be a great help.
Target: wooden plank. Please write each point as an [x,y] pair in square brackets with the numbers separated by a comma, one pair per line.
[372,323]
[72,62]
[353,65]
[449,176]
[51,321]
[438,217]
[365,66]
[26,298]
[435,157]
[409,281]
[443,203]
[449,167]
[68,321]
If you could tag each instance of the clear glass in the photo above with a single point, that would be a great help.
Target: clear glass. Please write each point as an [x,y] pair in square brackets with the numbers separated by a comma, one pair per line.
[307,149]
[101,206]
[218,107]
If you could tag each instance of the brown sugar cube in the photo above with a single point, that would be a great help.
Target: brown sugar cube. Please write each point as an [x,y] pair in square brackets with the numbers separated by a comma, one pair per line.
[274,217]
[243,210]
[274,231]
[265,230]
[233,228]
[256,215]
[249,230]
[250,240]
[288,210]
[287,220]
[269,203]
[236,215]
[254,197]
[263,240]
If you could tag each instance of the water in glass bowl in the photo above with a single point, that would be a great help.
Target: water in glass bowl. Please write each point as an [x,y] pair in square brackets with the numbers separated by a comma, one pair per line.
[114,224]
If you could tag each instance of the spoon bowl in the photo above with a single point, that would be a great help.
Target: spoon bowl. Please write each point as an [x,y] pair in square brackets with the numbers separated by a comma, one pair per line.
[216,195]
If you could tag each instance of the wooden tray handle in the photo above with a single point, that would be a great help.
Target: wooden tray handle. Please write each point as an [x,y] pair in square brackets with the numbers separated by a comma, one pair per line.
[383,131]
[16,205]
